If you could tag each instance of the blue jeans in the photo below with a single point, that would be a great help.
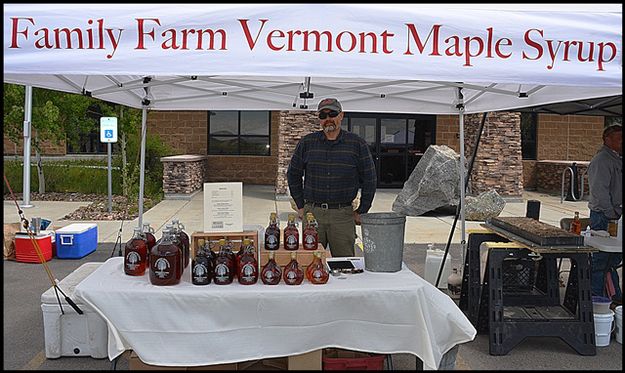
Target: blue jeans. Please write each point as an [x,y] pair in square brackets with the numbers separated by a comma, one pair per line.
[603,262]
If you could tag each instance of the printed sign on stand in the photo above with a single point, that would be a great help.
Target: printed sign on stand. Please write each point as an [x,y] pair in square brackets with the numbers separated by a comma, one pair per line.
[223,207]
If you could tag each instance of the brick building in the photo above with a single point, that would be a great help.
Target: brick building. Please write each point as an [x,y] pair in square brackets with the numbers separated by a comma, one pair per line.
[255,147]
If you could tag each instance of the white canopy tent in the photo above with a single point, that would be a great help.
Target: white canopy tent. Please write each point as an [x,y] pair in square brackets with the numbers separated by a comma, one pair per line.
[408,58]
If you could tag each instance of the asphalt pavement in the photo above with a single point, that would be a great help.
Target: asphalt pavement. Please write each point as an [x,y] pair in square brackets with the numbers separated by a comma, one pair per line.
[25,282]
[24,337]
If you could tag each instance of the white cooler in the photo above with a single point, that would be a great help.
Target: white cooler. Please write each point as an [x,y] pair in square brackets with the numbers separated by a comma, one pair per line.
[71,334]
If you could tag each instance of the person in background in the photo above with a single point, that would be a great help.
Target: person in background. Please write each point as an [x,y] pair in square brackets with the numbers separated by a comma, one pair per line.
[334,164]
[605,179]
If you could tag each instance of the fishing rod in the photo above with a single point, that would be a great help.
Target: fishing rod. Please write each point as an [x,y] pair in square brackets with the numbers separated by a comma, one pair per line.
[42,259]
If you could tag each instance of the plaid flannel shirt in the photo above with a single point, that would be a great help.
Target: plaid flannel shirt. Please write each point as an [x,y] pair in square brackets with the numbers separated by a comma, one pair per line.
[333,171]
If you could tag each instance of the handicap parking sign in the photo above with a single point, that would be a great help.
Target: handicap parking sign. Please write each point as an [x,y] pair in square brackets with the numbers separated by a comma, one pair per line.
[108,129]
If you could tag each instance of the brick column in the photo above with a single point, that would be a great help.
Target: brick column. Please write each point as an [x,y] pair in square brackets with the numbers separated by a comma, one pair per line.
[498,164]
[183,175]
[293,126]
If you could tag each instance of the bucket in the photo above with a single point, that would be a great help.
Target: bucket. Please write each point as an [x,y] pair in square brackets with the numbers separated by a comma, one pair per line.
[603,328]
[618,324]
[433,260]
[601,304]
[383,241]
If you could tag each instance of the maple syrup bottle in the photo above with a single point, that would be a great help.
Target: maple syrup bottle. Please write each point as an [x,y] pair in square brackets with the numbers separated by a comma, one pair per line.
[210,253]
[576,224]
[272,233]
[165,261]
[244,245]
[135,254]
[293,274]
[310,235]
[291,234]
[201,266]
[232,256]
[150,239]
[184,240]
[149,235]
[248,265]
[224,266]
[317,273]
[271,273]
[176,241]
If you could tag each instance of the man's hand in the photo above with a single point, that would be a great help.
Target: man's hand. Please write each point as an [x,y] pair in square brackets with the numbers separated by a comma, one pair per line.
[300,213]
[356,218]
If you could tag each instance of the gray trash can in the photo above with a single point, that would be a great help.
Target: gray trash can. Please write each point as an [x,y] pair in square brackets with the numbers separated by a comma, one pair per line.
[383,241]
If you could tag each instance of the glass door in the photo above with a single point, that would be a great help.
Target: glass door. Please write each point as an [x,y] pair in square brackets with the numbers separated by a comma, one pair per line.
[397,142]
[393,138]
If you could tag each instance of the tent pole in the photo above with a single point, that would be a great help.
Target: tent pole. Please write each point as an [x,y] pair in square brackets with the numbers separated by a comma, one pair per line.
[144,119]
[28,103]
[457,214]
[462,183]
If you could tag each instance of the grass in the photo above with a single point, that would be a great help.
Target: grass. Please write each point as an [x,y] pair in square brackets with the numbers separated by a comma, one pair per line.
[75,176]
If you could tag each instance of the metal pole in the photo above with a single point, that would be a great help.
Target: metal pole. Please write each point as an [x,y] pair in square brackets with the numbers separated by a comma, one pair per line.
[457,214]
[28,103]
[144,119]
[110,183]
[462,183]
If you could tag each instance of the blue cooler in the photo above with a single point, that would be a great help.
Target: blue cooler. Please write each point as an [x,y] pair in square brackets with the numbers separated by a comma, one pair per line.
[76,240]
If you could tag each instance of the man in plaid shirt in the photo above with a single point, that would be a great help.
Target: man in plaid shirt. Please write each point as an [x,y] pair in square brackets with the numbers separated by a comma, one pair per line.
[333,164]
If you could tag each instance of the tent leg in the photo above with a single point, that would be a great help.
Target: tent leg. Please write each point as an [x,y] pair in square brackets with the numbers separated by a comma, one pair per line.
[462,185]
[457,214]
[144,119]
[28,103]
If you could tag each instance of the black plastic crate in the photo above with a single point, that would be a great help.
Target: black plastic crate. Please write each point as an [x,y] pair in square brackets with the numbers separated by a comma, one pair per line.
[518,275]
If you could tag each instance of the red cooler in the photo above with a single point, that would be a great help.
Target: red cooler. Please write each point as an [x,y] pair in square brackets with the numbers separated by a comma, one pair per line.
[25,251]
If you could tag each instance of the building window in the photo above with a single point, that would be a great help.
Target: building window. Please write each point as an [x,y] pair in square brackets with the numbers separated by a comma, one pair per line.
[529,125]
[239,132]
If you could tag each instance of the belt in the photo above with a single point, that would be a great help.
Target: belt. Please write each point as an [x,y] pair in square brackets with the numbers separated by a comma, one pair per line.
[326,206]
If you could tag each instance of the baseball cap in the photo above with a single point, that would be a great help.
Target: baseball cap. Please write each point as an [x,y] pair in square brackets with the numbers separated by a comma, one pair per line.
[330,104]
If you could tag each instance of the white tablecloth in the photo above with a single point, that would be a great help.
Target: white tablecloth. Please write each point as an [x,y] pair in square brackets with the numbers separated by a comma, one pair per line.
[605,244]
[189,325]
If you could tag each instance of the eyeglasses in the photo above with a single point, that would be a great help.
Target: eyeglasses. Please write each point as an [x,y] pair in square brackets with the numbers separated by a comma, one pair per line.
[331,113]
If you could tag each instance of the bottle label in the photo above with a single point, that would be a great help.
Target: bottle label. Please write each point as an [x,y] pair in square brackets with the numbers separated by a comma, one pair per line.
[161,267]
[291,276]
[317,274]
[132,260]
[200,272]
[268,275]
[221,272]
[248,272]
[272,242]
[309,241]
[291,241]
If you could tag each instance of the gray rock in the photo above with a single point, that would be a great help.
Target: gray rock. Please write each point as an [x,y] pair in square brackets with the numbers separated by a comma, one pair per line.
[432,184]
[485,206]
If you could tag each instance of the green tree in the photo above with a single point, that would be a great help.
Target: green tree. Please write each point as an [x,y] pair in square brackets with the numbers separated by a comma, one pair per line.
[54,114]
[57,116]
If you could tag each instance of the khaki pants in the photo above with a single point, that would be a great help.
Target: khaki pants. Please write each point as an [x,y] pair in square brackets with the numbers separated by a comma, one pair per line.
[336,227]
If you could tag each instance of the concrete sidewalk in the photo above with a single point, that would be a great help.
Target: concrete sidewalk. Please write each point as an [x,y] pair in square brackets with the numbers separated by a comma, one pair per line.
[260,200]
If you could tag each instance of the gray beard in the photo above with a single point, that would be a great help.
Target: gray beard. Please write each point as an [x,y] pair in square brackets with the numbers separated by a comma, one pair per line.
[329,128]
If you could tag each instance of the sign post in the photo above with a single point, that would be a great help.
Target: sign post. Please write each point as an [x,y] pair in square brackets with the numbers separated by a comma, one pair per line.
[108,135]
